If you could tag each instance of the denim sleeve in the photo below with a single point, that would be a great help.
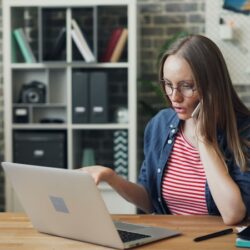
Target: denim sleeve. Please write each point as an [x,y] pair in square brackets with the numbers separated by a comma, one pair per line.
[242,179]
[146,172]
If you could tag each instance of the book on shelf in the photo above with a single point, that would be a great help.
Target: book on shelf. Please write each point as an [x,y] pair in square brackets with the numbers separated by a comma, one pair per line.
[13,49]
[120,45]
[113,39]
[78,44]
[59,46]
[24,45]
[81,42]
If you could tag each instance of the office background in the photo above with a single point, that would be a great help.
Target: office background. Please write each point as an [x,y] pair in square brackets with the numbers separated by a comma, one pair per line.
[158,20]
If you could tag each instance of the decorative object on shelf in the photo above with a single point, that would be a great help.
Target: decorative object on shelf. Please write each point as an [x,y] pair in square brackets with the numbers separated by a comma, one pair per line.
[88,157]
[24,46]
[121,153]
[81,42]
[122,115]
[33,92]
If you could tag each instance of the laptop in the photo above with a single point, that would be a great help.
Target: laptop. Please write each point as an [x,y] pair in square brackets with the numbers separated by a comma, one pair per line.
[67,203]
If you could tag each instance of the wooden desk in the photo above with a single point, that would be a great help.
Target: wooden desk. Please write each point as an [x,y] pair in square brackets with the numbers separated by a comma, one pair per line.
[16,232]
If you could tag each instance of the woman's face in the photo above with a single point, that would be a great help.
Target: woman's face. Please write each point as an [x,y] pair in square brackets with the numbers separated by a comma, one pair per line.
[178,74]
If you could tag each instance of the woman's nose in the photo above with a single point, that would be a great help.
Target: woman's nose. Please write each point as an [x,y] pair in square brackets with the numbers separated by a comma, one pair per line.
[176,95]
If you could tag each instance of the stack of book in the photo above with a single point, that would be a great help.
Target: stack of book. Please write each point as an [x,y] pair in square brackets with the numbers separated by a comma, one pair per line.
[115,46]
[243,239]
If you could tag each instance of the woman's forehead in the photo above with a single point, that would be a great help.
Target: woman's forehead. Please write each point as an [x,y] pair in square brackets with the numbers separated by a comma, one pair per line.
[177,67]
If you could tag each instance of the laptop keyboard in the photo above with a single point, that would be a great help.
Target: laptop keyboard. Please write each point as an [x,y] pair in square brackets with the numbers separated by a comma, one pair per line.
[130,236]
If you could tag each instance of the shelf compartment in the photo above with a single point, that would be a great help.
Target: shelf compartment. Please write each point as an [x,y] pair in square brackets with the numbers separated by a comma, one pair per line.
[54,81]
[23,77]
[109,19]
[54,34]
[49,114]
[25,18]
[42,148]
[84,17]
[109,148]
[57,89]
[115,81]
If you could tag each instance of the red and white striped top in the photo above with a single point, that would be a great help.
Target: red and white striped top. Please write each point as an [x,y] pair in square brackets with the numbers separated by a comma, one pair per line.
[183,184]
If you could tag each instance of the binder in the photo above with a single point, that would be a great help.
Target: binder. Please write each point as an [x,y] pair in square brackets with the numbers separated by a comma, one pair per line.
[80,100]
[98,97]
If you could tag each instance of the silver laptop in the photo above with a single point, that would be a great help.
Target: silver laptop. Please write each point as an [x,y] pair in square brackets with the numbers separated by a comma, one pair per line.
[68,203]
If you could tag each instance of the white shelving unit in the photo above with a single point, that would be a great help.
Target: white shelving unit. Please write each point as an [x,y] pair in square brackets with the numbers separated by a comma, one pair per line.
[57,76]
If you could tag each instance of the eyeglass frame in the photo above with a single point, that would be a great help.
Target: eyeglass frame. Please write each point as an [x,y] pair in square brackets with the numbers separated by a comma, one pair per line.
[164,83]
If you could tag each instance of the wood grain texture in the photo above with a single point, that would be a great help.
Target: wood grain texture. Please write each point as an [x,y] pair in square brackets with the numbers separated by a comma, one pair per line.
[17,232]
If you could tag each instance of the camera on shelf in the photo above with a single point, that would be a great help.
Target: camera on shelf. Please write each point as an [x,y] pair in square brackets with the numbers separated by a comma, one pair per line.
[33,92]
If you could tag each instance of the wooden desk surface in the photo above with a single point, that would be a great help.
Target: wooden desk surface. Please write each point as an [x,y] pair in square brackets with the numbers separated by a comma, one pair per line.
[16,232]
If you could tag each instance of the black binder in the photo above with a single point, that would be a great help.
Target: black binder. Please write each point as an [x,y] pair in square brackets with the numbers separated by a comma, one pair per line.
[80,97]
[98,97]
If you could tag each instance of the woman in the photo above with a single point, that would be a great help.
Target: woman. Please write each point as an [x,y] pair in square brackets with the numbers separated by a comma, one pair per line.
[193,165]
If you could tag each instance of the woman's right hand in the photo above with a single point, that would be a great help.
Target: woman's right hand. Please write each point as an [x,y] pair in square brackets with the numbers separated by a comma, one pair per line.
[99,173]
[130,191]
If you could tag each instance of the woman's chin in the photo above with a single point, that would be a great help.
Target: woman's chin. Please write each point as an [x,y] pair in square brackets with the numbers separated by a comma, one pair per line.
[183,116]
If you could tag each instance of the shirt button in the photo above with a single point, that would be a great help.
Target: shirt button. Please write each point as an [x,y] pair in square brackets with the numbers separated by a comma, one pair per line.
[171,125]
[170,141]
[173,130]
[158,170]
[159,199]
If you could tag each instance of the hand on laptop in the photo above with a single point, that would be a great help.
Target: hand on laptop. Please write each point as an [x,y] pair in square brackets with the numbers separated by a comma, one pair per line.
[99,173]
[132,192]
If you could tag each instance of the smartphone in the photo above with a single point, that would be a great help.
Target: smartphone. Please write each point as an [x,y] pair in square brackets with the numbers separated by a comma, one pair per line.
[245,233]
[196,111]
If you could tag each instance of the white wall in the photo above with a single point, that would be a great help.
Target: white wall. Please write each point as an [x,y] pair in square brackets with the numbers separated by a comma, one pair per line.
[236,51]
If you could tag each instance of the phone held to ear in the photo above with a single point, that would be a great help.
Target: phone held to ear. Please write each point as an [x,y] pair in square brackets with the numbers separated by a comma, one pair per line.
[196,111]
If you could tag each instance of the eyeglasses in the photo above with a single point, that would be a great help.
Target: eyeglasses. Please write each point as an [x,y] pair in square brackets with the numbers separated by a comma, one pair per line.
[185,89]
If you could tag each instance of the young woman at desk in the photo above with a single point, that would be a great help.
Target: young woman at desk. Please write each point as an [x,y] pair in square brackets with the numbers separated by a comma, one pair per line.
[194,164]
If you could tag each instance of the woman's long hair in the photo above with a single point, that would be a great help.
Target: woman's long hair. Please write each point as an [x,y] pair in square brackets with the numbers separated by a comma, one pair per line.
[220,103]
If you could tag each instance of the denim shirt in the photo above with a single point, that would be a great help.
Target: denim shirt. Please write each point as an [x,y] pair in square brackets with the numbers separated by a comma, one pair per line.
[159,138]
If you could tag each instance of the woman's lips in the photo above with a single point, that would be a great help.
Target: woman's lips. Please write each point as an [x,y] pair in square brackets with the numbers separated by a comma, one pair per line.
[179,110]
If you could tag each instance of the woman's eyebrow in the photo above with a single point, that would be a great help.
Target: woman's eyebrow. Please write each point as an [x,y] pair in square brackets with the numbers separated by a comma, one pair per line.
[186,81]
[181,81]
